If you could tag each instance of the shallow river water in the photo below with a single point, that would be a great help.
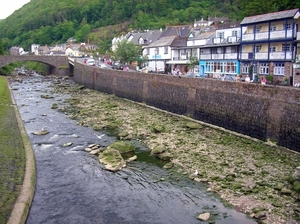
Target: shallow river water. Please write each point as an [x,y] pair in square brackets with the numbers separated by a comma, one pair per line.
[73,188]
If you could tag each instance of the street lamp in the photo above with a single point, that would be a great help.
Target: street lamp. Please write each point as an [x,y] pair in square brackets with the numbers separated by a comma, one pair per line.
[155,53]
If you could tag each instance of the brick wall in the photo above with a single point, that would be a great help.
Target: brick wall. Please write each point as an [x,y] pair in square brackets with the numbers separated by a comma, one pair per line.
[252,109]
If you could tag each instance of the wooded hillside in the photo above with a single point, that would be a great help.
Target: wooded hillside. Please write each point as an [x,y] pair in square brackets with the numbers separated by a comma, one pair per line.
[54,21]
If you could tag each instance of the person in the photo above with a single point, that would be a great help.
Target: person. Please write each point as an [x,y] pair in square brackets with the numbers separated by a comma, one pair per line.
[247,79]
[263,80]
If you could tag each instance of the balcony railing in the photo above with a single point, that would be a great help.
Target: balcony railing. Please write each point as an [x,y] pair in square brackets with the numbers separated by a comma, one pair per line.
[205,56]
[298,35]
[231,56]
[281,55]
[280,34]
[182,58]
[247,56]
[263,56]
[217,56]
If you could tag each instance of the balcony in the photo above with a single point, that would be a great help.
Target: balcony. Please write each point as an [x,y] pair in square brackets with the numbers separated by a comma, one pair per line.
[280,55]
[280,34]
[247,56]
[261,56]
[217,56]
[205,56]
[181,58]
[231,56]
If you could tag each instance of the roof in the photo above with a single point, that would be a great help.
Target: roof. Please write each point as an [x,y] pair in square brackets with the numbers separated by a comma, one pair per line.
[181,31]
[270,16]
[173,41]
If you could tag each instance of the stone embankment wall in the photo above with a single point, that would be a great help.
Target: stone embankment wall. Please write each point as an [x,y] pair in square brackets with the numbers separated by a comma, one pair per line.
[251,109]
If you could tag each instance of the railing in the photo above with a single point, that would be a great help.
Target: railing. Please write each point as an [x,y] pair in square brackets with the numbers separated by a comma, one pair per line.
[280,34]
[217,56]
[205,56]
[298,36]
[231,56]
[261,55]
[247,55]
[281,55]
[182,58]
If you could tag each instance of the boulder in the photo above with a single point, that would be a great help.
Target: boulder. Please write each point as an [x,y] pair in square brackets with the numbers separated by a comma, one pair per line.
[112,159]
[122,147]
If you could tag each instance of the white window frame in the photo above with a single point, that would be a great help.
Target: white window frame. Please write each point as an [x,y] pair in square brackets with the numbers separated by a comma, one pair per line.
[279,68]
[286,47]
[234,33]
[258,48]
[166,50]
[258,29]
[245,68]
[264,68]
[272,48]
[220,35]
[287,26]
[273,28]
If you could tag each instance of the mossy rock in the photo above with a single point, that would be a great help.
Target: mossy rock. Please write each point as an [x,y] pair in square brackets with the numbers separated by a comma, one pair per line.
[112,159]
[236,185]
[286,191]
[47,97]
[193,125]
[168,166]
[122,147]
[54,106]
[123,134]
[157,128]
[97,127]
[158,149]
[165,156]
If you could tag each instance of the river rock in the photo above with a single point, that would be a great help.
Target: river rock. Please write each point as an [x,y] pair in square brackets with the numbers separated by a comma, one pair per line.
[133,158]
[122,147]
[296,175]
[112,159]
[204,216]
[42,132]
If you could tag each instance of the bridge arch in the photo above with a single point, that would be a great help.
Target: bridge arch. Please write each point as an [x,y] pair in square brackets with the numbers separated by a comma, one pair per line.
[57,64]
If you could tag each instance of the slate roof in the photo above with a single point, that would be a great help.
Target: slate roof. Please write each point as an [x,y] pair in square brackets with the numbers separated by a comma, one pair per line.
[181,31]
[270,16]
[173,41]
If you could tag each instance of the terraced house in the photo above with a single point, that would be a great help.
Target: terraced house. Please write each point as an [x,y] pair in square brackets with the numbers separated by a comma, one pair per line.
[268,45]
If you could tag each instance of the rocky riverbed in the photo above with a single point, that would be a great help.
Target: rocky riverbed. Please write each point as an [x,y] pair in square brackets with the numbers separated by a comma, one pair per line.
[249,174]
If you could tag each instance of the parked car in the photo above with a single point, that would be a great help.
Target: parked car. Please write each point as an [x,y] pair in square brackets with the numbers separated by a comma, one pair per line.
[117,66]
[90,61]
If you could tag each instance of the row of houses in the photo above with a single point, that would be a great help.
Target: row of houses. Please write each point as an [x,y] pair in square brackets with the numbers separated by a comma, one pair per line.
[260,45]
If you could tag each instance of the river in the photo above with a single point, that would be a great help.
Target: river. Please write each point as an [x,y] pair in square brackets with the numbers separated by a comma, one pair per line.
[72,187]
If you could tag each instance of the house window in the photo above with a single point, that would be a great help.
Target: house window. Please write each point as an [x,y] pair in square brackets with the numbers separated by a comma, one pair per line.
[141,41]
[287,26]
[257,48]
[245,68]
[234,33]
[233,49]
[221,35]
[147,51]
[286,47]
[272,48]
[214,51]
[273,28]
[279,69]
[230,67]
[258,29]
[209,67]
[264,68]
[166,50]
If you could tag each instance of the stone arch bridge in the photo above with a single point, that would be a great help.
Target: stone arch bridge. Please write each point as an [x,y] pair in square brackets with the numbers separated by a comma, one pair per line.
[60,65]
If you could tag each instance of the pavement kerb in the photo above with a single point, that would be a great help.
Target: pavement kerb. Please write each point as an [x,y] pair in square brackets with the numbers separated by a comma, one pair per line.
[21,208]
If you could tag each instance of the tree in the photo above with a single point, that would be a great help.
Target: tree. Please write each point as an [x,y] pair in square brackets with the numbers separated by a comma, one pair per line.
[193,62]
[126,51]
[1,48]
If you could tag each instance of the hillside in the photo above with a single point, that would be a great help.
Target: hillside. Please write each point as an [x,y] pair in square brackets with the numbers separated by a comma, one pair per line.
[54,21]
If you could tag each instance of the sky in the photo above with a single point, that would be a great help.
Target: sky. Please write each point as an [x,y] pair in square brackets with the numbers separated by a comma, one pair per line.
[8,7]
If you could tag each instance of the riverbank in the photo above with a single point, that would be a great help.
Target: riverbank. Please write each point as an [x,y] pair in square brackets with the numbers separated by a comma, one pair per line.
[247,173]
[17,169]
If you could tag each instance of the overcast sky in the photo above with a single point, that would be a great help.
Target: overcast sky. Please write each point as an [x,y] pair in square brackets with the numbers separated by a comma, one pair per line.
[9,6]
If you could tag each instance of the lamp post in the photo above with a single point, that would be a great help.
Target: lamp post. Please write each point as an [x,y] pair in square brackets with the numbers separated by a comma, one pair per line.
[155,53]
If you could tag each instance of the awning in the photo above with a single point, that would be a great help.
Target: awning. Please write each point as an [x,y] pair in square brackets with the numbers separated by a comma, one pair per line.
[182,62]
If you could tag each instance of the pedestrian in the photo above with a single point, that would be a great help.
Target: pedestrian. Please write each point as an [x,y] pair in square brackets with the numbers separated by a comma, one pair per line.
[263,80]
[247,79]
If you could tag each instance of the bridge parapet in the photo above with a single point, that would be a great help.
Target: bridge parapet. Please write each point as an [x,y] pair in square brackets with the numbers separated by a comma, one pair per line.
[55,61]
